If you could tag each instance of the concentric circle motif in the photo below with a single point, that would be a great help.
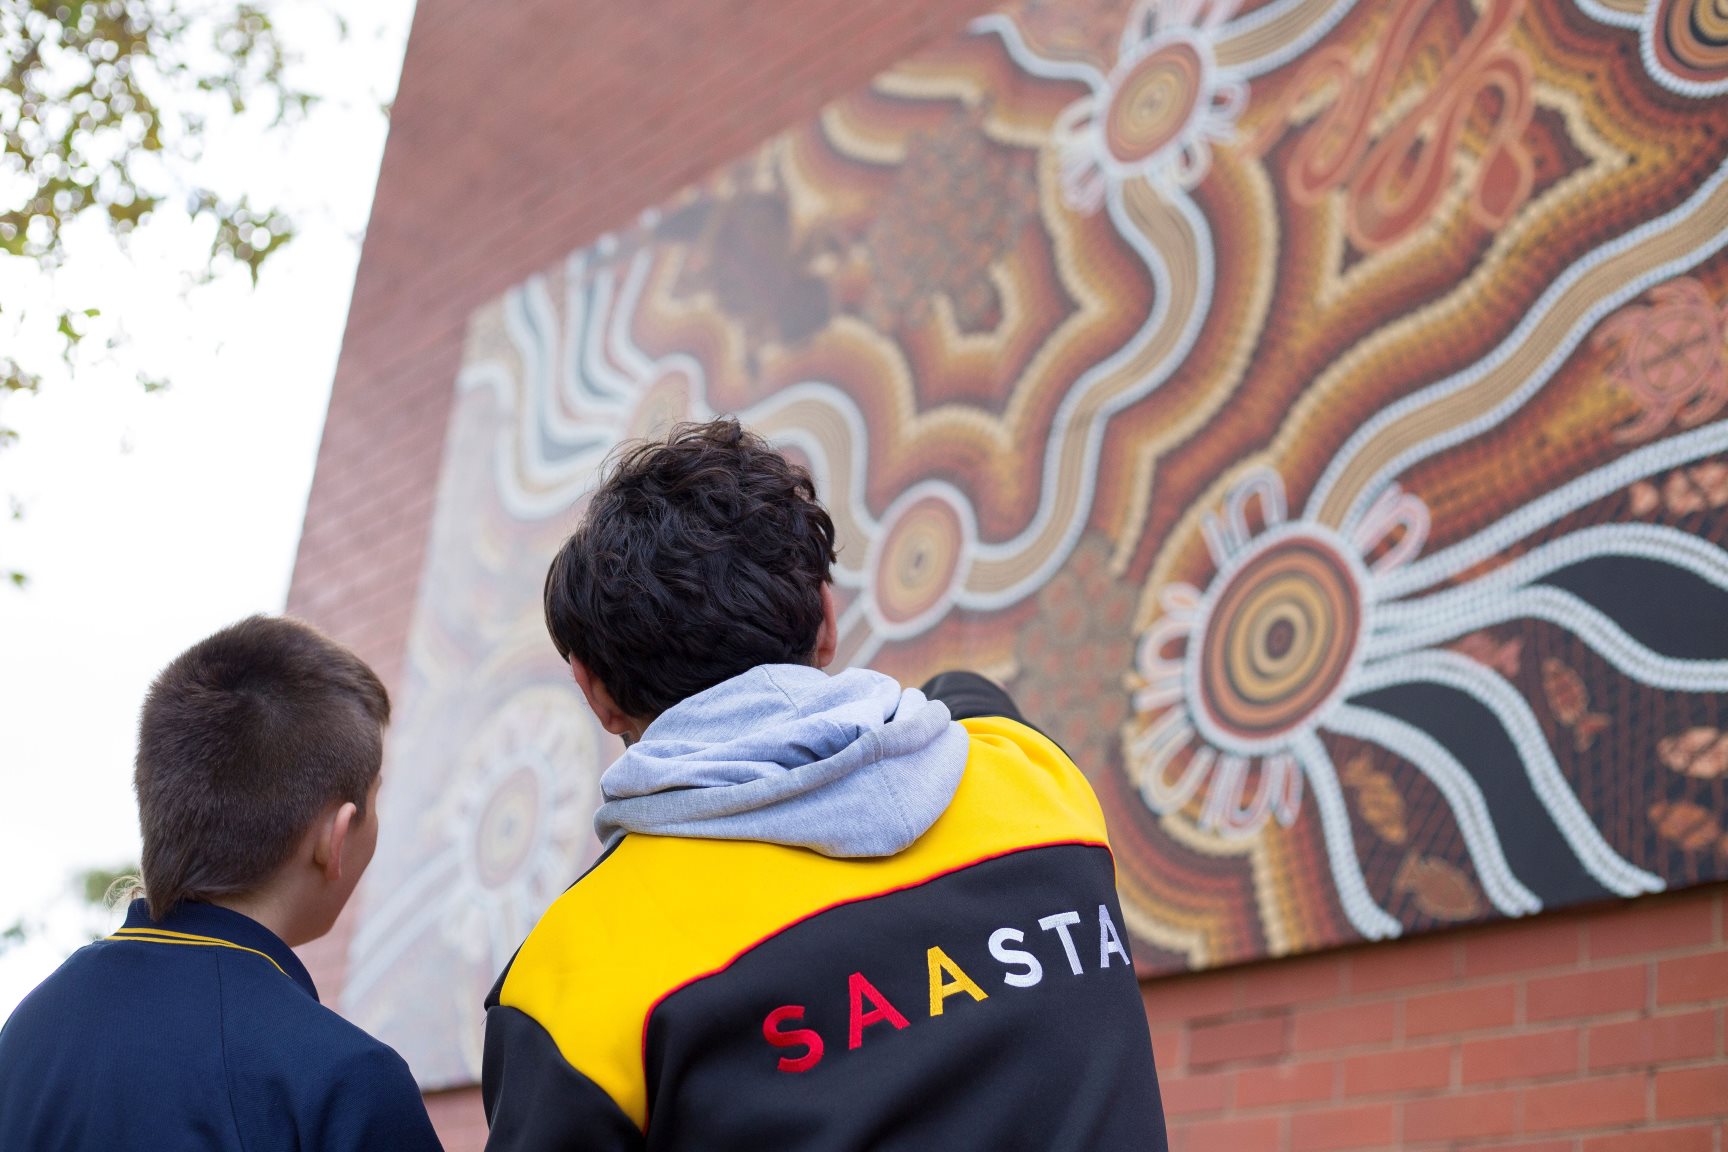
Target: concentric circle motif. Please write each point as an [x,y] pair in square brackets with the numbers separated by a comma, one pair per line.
[919,560]
[1692,38]
[1153,102]
[1279,640]
[525,784]
[508,828]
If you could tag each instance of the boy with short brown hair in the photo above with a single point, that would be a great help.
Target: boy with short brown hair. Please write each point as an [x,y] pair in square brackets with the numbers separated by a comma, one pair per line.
[195,1025]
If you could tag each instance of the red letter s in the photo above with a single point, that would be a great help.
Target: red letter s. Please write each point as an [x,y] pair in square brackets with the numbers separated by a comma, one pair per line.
[805,1036]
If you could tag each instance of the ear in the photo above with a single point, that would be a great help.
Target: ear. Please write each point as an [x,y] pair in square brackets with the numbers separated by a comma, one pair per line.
[606,710]
[827,636]
[332,838]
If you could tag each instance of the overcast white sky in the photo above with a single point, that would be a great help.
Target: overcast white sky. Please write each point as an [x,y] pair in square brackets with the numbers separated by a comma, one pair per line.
[153,520]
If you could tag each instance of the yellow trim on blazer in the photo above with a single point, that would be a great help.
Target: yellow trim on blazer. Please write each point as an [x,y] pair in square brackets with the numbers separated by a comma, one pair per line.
[163,936]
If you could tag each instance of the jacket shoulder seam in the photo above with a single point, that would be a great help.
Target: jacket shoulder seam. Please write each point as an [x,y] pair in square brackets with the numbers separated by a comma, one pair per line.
[222,1047]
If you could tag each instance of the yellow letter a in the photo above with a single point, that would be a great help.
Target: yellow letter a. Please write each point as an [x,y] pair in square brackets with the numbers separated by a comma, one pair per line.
[940,990]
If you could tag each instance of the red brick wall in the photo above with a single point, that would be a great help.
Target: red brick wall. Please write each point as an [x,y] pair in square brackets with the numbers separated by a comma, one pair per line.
[460,1121]
[524,129]
[1593,1031]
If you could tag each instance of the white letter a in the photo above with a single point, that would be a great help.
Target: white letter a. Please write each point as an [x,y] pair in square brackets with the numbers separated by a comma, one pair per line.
[1108,940]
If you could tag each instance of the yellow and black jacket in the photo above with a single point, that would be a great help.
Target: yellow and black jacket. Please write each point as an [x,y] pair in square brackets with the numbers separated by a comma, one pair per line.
[973,991]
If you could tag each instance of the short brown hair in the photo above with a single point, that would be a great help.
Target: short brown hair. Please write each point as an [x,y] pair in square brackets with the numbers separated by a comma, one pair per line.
[245,737]
[700,557]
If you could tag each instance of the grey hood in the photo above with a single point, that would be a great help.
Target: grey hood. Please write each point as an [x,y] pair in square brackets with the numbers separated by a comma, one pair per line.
[847,765]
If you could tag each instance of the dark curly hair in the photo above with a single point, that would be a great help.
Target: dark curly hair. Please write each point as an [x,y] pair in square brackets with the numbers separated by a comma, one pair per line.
[700,557]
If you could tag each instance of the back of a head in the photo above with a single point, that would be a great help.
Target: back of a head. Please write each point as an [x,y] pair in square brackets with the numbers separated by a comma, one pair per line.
[700,557]
[244,739]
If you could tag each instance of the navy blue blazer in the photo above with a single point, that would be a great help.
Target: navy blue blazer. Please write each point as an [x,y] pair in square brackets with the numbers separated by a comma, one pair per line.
[201,1032]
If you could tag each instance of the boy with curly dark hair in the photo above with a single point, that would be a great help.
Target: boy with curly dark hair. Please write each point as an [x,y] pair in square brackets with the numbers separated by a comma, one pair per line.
[832,913]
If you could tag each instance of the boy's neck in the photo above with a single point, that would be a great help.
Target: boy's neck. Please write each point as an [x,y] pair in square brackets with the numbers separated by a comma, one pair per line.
[268,908]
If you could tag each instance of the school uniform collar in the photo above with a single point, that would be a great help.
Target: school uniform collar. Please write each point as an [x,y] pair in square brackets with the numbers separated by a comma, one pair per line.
[217,927]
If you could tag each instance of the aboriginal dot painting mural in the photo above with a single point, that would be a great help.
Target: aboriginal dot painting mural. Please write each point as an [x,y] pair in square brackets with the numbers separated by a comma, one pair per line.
[1315,411]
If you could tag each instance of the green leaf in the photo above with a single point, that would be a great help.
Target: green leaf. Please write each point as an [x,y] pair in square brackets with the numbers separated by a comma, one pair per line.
[15,934]
[13,378]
